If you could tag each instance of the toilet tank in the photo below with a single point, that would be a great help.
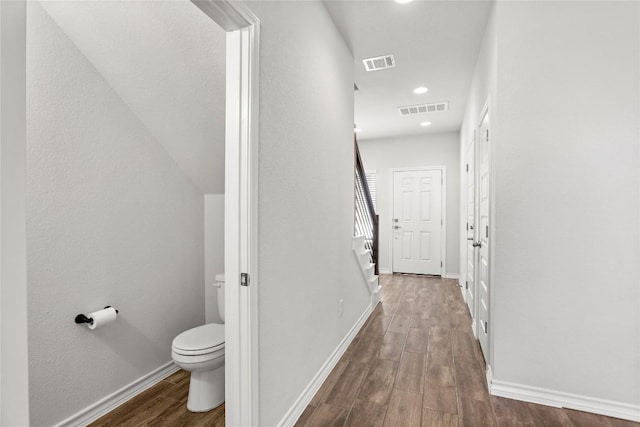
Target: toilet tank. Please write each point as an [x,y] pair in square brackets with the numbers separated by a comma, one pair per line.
[220,287]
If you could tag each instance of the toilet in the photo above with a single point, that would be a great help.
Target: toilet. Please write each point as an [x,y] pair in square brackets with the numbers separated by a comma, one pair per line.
[200,350]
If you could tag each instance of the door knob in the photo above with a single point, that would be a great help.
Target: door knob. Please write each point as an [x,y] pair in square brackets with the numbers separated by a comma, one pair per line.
[469,238]
[477,244]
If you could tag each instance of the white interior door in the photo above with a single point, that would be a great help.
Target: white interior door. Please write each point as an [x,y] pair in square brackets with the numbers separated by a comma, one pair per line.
[470,279]
[417,221]
[482,234]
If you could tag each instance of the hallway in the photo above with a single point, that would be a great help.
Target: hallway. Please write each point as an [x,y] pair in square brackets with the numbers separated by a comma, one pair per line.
[415,363]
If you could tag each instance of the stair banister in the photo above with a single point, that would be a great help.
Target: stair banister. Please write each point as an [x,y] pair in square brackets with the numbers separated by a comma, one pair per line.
[366,219]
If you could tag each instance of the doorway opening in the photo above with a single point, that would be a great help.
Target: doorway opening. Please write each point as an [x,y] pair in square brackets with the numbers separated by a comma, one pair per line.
[240,171]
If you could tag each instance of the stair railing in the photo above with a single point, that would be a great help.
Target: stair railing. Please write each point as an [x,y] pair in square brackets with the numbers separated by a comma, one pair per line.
[366,219]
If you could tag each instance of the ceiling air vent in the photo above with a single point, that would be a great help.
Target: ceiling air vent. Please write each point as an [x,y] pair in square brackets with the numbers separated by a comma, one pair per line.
[424,108]
[379,63]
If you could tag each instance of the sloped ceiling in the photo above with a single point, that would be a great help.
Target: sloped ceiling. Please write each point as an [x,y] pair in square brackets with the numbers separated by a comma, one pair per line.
[166,60]
[436,45]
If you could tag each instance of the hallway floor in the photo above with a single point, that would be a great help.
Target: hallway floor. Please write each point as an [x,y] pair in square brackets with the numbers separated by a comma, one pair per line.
[416,363]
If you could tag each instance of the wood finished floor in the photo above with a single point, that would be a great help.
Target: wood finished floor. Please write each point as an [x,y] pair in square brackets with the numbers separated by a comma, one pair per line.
[414,363]
[164,404]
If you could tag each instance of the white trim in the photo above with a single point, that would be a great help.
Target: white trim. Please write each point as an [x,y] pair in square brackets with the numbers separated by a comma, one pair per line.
[14,360]
[363,257]
[292,415]
[451,276]
[488,372]
[464,242]
[376,295]
[384,270]
[241,202]
[230,15]
[117,398]
[443,208]
[486,110]
[561,399]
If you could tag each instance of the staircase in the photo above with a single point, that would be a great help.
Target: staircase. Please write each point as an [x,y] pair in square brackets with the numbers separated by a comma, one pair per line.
[368,268]
[365,240]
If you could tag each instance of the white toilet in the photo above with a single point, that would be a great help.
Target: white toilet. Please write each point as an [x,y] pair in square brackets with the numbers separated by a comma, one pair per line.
[201,351]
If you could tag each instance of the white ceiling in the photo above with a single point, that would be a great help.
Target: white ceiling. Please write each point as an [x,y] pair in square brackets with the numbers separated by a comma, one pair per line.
[435,43]
[165,59]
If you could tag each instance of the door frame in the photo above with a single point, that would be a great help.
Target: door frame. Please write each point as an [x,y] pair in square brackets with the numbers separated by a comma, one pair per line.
[443,204]
[14,389]
[472,141]
[241,207]
[485,111]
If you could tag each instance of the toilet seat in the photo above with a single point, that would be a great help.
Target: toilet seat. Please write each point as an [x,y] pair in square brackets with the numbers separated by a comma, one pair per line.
[200,340]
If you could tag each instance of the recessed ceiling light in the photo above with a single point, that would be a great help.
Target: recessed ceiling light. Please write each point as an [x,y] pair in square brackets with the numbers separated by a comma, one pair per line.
[356,130]
[403,1]
[425,124]
[420,90]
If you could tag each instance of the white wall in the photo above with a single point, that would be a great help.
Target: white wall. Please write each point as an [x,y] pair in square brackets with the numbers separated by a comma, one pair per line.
[306,200]
[213,252]
[14,402]
[159,53]
[565,284]
[565,195]
[110,220]
[441,149]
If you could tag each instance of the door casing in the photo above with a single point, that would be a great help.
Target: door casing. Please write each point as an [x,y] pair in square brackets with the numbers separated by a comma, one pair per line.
[470,287]
[241,207]
[483,232]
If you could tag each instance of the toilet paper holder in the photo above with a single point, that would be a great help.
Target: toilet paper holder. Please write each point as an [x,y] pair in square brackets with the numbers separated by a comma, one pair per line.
[81,318]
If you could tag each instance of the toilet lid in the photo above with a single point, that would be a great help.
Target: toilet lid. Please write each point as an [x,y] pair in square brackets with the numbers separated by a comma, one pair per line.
[209,337]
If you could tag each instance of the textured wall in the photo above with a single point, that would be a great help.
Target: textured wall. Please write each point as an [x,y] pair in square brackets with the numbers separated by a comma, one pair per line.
[110,220]
[566,170]
[441,149]
[213,252]
[155,54]
[306,200]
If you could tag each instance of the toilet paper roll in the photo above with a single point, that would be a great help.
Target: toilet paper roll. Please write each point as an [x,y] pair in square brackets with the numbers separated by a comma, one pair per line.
[102,317]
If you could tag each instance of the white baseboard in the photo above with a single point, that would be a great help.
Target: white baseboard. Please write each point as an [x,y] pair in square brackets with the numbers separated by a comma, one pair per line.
[117,398]
[463,292]
[445,276]
[376,296]
[488,373]
[312,388]
[561,399]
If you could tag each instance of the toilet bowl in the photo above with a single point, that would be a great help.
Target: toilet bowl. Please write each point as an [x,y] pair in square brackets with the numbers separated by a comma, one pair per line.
[200,350]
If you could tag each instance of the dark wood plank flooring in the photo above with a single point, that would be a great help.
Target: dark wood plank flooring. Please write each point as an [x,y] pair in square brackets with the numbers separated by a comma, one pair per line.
[414,363]
[164,404]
